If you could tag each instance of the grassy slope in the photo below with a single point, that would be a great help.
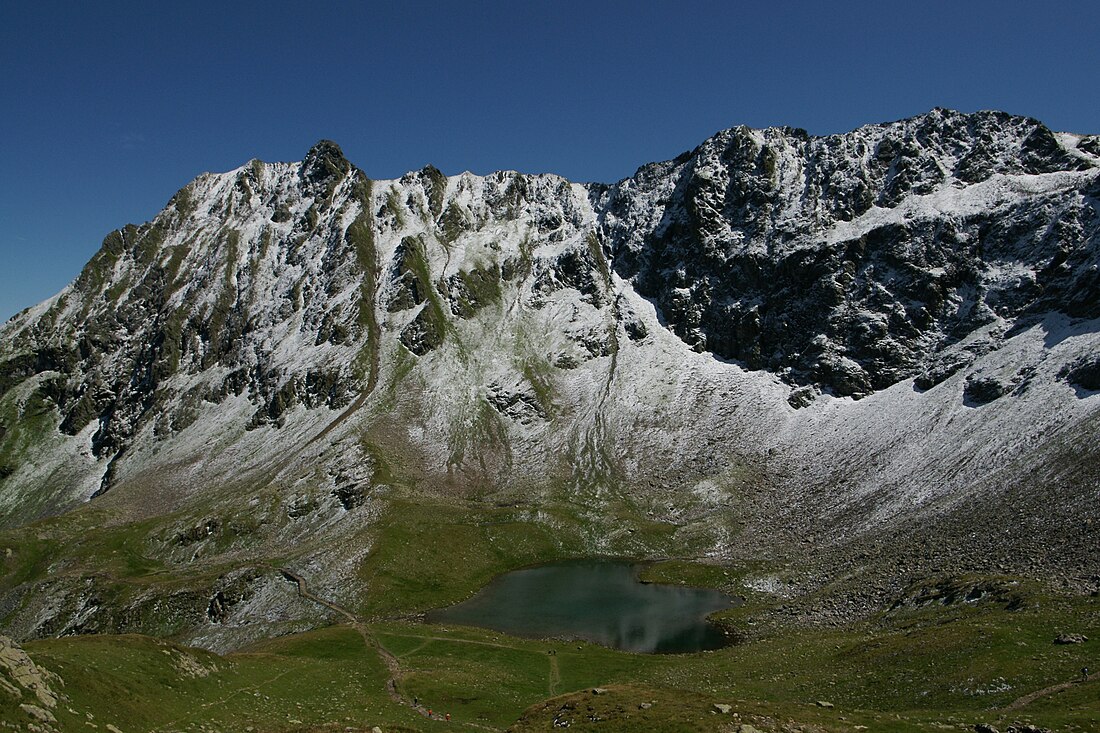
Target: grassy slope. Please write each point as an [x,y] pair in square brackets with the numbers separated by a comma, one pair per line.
[923,671]
[432,551]
[904,671]
[900,673]
[141,684]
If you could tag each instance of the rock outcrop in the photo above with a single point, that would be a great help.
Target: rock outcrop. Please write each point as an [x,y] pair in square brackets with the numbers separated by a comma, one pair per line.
[850,261]
[29,685]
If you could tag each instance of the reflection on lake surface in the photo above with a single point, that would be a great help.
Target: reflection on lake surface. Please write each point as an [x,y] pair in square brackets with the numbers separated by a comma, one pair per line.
[598,600]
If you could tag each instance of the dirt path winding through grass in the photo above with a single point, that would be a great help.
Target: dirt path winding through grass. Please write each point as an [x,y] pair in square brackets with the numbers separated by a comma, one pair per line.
[387,657]
[555,673]
[555,676]
[1053,689]
[452,640]
[221,700]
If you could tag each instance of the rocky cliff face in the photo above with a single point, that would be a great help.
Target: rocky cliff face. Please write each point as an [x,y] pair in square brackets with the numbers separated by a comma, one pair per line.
[784,338]
[247,284]
[850,262]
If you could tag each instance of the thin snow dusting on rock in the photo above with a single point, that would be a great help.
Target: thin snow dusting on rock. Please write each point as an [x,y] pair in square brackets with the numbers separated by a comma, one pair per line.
[820,347]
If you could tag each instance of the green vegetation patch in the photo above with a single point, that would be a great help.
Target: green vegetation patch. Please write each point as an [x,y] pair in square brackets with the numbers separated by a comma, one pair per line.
[483,676]
[431,553]
[686,572]
[141,684]
[453,223]
[394,208]
[949,669]
[472,290]
[361,236]
[914,668]
[25,425]
[628,708]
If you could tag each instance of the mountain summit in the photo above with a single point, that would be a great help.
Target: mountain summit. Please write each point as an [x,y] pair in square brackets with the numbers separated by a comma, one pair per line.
[873,352]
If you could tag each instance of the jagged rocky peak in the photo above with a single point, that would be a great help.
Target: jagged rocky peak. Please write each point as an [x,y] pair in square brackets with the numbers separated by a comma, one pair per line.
[844,263]
[323,165]
[273,287]
[246,285]
[848,262]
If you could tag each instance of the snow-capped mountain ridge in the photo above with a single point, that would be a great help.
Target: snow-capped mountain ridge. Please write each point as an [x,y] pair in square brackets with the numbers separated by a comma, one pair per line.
[910,309]
[752,211]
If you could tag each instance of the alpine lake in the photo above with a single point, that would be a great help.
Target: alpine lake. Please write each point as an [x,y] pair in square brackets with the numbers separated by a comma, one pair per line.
[601,601]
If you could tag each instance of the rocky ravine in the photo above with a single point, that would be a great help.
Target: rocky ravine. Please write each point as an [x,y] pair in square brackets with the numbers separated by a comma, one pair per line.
[871,353]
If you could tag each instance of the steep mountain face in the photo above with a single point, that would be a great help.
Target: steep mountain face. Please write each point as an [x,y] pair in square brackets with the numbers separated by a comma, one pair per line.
[775,346]
[850,262]
[197,306]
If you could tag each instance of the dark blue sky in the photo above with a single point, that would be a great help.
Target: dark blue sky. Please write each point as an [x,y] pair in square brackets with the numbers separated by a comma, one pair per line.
[109,108]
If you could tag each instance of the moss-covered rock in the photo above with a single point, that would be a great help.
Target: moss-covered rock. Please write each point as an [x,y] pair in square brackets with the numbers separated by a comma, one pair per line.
[322,169]
[454,222]
[435,187]
[468,291]
[408,273]
[425,332]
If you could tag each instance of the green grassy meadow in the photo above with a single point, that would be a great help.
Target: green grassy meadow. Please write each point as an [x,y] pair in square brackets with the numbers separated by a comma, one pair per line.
[932,668]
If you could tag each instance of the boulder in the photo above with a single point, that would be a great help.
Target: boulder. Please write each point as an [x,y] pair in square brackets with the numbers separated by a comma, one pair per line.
[18,671]
[980,390]
[38,713]
[1084,373]
[1070,639]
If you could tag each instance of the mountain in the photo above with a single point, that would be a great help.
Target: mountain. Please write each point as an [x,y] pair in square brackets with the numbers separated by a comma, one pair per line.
[870,356]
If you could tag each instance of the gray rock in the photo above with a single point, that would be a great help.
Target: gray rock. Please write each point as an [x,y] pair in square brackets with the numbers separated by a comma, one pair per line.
[733,272]
[1084,373]
[980,390]
[38,713]
[1070,639]
[801,397]
[17,667]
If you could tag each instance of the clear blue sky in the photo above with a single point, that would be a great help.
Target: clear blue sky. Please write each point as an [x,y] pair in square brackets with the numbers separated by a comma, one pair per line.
[109,108]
